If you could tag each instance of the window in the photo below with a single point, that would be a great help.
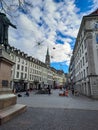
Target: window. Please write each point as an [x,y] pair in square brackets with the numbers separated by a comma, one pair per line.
[31,64]
[30,76]
[22,61]
[5,83]
[30,70]
[17,75]
[18,67]
[96,25]
[80,52]
[87,70]
[97,38]
[83,60]
[25,69]
[81,63]
[26,62]
[12,57]
[86,56]
[85,43]
[84,73]
[21,75]
[81,75]
[82,48]
[18,59]
[25,76]
[22,67]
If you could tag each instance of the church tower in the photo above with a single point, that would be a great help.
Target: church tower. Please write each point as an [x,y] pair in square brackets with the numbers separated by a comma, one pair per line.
[47,60]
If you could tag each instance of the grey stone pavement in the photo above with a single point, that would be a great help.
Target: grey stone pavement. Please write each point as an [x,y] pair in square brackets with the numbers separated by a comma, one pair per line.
[52,112]
[55,101]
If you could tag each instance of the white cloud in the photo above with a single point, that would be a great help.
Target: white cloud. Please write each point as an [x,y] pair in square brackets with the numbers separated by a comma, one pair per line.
[36,13]
[95,4]
[55,17]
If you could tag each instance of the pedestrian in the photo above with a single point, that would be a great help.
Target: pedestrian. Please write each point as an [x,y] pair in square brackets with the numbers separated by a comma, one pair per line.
[72,91]
[49,89]
[27,93]
[66,92]
[19,95]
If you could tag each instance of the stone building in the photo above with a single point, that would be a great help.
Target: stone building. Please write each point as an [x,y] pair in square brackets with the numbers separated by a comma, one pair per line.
[31,73]
[84,62]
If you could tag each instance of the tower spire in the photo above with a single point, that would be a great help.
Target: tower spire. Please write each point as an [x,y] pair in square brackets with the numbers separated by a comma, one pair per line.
[47,60]
[48,51]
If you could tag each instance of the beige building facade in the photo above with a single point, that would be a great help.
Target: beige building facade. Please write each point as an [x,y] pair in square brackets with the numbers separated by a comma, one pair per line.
[84,62]
[31,73]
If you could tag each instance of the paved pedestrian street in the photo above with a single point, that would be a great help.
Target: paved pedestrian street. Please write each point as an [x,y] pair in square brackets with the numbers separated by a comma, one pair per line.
[52,112]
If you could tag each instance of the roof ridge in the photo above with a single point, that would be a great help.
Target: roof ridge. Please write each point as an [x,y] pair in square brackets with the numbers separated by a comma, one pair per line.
[94,12]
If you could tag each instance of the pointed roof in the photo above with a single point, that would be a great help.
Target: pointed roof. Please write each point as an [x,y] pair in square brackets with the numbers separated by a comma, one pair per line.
[94,13]
[48,51]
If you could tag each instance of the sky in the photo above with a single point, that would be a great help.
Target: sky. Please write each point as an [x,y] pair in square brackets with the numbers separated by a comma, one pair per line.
[52,24]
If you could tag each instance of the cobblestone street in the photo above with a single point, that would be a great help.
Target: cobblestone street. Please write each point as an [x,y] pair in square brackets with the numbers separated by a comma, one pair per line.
[51,112]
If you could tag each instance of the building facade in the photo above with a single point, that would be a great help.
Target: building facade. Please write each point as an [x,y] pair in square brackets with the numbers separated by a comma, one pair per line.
[31,73]
[84,62]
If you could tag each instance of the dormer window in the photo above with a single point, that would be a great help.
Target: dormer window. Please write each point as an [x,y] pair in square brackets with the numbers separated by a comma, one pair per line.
[18,59]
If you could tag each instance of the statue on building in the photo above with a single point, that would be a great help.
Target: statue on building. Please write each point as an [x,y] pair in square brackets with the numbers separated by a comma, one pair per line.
[4,25]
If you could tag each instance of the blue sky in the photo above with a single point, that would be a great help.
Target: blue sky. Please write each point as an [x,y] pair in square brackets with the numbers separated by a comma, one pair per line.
[83,7]
[53,23]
